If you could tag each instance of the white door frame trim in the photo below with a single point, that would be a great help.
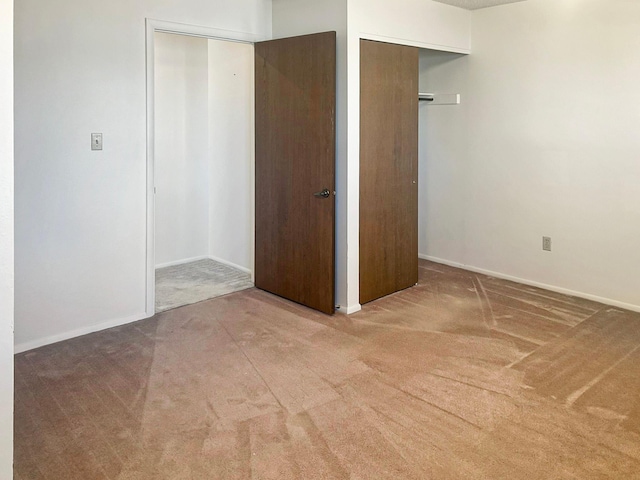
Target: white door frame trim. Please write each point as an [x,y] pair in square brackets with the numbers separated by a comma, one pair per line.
[152,26]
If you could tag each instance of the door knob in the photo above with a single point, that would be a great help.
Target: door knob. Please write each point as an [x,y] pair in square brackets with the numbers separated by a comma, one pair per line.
[323,194]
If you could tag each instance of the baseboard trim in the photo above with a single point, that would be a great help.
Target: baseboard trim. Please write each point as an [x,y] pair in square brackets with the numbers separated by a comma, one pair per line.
[532,283]
[26,346]
[350,309]
[41,342]
[182,262]
[231,264]
[205,257]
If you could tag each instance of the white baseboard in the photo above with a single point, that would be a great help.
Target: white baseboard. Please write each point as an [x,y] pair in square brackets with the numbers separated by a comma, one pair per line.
[41,342]
[23,347]
[231,264]
[350,309]
[205,257]
[61,337]
[532,283]
[182,262]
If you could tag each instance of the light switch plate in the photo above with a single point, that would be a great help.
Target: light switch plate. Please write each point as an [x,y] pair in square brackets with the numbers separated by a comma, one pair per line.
[96,141]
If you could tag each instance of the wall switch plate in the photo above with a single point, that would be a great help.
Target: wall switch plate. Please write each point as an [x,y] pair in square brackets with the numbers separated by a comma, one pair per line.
[96,141]
[546,243]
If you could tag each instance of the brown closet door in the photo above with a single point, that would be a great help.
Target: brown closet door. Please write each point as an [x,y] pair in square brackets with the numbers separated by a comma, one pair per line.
[388,168]
[295,168]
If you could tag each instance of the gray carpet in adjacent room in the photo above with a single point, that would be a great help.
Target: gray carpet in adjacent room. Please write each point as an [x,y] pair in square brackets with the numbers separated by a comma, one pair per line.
[197,281]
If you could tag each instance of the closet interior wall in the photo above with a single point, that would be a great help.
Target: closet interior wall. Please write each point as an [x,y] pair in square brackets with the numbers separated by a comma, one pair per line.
[204,150]
[442,153]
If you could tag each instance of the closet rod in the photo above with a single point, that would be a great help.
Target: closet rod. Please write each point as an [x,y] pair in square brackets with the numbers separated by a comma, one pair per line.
[440,98]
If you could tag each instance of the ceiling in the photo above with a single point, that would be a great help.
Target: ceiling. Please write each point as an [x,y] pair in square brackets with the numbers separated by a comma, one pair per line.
[476,4]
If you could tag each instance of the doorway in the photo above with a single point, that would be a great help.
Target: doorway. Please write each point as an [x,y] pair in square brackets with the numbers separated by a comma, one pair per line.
[283,64]
[204,127]
[200,165]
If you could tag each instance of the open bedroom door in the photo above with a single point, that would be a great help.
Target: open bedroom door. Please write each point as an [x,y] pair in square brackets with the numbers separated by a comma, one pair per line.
[295,105]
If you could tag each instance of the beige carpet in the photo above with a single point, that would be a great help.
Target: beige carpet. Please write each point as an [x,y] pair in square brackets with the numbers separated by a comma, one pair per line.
[194,282]
[461,377]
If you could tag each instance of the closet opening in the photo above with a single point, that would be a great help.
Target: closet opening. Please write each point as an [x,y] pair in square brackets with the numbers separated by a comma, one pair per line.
[442,153]
[203,162]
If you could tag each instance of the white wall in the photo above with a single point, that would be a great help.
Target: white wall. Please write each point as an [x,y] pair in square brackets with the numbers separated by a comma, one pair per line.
[6,239]
[421,23]
[181,148]
[81,215]
[231,152]
[553,149]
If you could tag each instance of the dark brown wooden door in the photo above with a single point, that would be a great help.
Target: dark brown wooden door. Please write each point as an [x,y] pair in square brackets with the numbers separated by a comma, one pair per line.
[295,99]
[388,168]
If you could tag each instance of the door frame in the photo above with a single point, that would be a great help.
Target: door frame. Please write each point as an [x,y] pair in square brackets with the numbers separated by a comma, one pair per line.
[151,27]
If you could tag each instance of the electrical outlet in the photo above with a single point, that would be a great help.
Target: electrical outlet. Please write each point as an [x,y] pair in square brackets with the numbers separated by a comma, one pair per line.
[546,243]
[96,141]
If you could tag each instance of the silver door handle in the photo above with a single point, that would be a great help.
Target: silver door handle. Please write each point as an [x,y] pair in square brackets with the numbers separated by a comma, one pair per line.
[323,194]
